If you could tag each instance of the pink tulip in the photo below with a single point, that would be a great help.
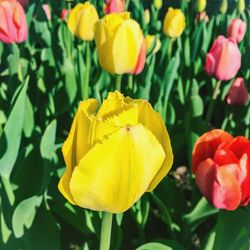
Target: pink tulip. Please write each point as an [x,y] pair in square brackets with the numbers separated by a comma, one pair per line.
[64,14]
[224,59]
[114,6]
[47,11]
[237,94]
[24,3]
[237,29]
[13,23]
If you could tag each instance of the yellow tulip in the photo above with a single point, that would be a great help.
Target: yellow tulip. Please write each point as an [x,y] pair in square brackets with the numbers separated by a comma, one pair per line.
[114,155]
[223,6]
[152,39]
[241,5]
[82,19]
[120,44]
[147,16]
[201,5]
[158,4]
[174,23]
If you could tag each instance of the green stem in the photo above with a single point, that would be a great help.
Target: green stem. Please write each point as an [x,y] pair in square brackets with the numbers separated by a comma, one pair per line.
[118,82]
[106,231]
[85,93]
[213,101]
[130,82]
[165,214]
[170,48]
[68,35]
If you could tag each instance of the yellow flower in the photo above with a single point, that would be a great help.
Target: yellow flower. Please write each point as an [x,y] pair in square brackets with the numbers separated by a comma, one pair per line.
[147,16]
[241,5]
[153,40]
[174,23]
[82,19]
[201,5]
[119,41]
[115,154]
[158,4]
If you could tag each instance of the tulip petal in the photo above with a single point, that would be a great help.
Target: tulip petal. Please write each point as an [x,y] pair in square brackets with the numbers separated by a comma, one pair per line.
[113,175]
[82,19]
[129,37]
[219,184]
[226,189]
[77,143]
[225,69]
[112,105]
[105,31]
[153,121]
[206,146]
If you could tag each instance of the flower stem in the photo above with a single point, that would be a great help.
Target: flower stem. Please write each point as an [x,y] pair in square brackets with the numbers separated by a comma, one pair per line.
[106,231]
[170,48]
[212,101]
[85,93]
[130,82]
[68,35]
[118,82]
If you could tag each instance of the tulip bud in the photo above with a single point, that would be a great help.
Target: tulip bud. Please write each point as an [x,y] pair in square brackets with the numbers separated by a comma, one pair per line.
[200,17]
[64,14]
[221,167]
[152,39]
[13,23]
[82,19]
[238,93]
[147,16]
[200,5]
[114,6]
[224,59]
[174,23]
[237,29]
[47,11]
[158,4]
[241,5]
[223,6]
[120,44]
[114,154]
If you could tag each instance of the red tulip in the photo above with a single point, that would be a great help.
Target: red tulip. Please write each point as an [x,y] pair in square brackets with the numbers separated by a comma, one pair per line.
[24,3]
[224,59]
[64,14]
[237,29]
[47,11]
[221,165]
[114,6]
[238,93]
[13,23]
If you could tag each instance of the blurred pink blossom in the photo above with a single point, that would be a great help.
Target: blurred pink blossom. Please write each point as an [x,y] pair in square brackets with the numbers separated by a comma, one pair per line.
[224,59]
[237,94]
[237,29]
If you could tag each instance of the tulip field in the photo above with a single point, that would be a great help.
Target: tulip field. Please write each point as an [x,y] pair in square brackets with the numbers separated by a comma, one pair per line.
[124,124]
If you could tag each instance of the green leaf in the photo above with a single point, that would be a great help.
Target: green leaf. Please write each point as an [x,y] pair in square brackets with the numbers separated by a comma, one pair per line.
[24,215]
[28,125]
[231,225]
[47,146]
[200,212]
[44,233]
[14,59]
[209,242]
[11,137]
[154,246]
